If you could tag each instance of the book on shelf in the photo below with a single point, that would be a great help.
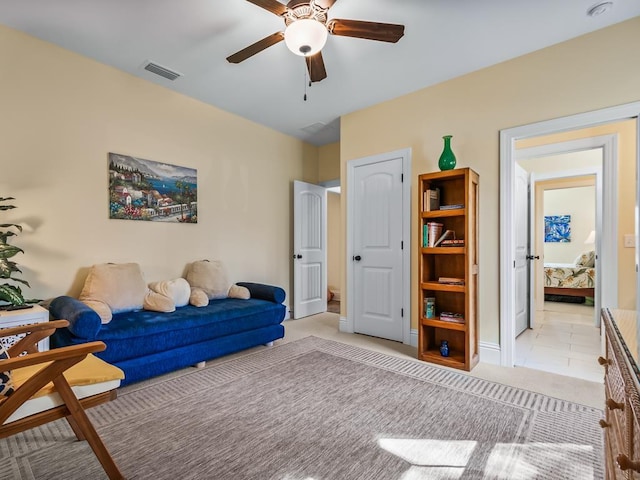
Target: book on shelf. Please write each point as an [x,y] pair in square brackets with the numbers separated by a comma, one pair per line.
[451,207]
[451,280]
[425,235]
[452,243]
[451,317]
[448,234]
[431,199]
[434,230]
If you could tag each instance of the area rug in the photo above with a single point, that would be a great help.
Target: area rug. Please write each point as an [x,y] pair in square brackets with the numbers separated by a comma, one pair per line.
[315,409]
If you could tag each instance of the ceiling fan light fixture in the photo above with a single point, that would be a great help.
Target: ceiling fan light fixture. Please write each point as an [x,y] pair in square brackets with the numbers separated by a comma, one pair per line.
[305,37]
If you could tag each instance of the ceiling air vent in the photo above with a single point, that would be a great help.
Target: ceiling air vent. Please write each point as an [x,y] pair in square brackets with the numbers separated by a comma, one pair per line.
[162,71]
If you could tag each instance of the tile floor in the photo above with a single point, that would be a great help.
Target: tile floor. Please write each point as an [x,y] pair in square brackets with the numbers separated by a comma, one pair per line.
[564,341]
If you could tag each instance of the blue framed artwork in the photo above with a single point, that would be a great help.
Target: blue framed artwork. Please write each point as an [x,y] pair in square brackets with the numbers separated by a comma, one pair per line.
[557,228]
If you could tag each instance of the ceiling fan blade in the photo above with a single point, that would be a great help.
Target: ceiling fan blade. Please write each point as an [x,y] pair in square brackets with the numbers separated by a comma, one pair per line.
[383,32]
[325,3]
[257,47]
[272,5]
[315,66]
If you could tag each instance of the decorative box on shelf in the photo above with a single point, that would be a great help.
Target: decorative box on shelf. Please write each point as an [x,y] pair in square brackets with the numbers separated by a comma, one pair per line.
[15,318]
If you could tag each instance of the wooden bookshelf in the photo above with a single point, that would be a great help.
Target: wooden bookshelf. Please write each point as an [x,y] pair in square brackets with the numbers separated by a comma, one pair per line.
[456,187]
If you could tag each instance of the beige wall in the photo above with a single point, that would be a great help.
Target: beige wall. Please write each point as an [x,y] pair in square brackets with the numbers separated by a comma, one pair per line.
[61,115]
[334,241]
[329,169]
[580,203]
[587,73]
[329,162]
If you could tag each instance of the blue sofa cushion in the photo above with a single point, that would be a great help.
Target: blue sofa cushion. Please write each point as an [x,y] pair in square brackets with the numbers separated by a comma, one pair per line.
[84,322]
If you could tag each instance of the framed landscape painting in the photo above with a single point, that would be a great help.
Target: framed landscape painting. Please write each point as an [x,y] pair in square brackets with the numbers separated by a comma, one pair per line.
[145,190]
[557,228]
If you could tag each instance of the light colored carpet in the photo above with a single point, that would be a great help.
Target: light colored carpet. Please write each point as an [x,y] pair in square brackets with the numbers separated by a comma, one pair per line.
[316,409]
[326,325]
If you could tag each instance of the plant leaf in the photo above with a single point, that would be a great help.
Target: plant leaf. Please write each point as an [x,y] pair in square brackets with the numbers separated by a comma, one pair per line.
[11,294]
[7,267]
[7,225]
[4,199]
[8,251]
[7,207]
[5,235]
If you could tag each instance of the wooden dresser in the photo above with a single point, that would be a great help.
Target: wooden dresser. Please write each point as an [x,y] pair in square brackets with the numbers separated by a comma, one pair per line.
[622,397]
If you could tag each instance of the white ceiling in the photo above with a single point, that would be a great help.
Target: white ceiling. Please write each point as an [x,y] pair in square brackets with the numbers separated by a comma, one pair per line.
[443,39]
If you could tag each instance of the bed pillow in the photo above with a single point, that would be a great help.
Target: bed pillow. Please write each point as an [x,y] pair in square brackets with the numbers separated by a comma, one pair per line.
[587,259]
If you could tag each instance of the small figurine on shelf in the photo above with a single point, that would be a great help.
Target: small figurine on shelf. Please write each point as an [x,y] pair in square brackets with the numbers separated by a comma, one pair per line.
[444,348]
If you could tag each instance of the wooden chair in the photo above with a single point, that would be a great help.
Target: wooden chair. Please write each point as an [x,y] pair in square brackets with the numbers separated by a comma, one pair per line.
[47,395]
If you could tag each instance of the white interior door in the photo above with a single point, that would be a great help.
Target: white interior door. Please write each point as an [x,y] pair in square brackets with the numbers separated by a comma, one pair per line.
[521,263]
[309,249]
[377,249]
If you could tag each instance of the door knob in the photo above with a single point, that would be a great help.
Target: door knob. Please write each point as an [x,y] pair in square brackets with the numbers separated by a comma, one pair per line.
[297,256]
[357,258]
[531,257]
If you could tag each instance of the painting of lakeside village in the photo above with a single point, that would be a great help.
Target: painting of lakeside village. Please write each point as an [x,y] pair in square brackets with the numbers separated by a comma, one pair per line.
[146,190]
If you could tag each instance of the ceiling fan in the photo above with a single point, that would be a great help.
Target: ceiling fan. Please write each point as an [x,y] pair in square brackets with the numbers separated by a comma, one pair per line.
[307,28]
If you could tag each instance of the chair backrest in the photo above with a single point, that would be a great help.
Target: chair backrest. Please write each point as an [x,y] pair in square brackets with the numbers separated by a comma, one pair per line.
[42,392]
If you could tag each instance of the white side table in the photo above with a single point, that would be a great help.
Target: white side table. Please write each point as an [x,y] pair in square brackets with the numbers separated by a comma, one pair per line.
[15,318]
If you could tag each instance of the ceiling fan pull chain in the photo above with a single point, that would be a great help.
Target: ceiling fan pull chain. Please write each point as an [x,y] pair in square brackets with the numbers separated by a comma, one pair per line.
[305,83]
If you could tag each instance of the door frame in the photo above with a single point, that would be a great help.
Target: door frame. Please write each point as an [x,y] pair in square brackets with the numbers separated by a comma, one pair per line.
[508,138]
[606,220]
[347,324]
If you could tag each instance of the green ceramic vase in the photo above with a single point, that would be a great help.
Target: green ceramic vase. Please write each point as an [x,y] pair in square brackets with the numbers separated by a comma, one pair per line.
[447,158]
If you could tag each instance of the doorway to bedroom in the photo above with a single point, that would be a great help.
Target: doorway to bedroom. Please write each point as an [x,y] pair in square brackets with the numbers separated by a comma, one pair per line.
[616,281]
[562,335]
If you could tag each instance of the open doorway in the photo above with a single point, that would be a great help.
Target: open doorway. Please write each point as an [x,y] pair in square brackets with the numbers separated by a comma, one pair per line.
[563,335]
[618,290]
[334,234]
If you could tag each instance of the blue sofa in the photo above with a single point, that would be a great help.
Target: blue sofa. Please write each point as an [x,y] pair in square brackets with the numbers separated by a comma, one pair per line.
[145,344]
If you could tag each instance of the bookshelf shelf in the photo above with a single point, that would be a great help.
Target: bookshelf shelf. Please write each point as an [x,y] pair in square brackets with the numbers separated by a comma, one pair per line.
[442,287]
[444,213]
[443,250]
[437,323]
[454,187]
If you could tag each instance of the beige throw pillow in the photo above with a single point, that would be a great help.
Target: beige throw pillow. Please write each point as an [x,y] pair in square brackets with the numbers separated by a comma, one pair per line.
[178,290]
[120,286]
[209,276]
[101,308]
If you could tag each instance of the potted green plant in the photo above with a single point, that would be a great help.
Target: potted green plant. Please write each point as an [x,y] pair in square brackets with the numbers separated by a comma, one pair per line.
[10,293]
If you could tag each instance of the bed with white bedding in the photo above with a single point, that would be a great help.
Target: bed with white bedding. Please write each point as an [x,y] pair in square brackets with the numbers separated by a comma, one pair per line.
[569,279]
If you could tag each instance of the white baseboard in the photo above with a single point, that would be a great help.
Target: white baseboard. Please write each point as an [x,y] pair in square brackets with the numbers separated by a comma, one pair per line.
[489,353]
[287,313]
[414,338]
[344,326]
